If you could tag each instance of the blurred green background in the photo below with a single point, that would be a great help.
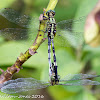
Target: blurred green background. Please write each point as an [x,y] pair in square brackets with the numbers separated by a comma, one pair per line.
[75,59]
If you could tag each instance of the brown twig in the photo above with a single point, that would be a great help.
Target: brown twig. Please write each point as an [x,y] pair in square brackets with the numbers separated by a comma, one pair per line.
[7,75]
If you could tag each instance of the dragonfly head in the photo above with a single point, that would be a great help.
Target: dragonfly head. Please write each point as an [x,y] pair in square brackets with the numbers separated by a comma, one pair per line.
[50,13]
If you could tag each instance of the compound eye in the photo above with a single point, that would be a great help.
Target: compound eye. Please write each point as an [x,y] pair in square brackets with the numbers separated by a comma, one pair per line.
[53,14]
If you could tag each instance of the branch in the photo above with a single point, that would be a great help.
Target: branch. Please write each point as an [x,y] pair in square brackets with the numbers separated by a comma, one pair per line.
[7,75]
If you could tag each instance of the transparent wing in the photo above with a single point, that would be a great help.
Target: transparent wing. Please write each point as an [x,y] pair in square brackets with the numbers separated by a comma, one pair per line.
[17,34]
[14,33]
[23,84]
[70,35]
[26,21]
[71,77]
[68,39]
[68,24]
[18,18]
[81,82]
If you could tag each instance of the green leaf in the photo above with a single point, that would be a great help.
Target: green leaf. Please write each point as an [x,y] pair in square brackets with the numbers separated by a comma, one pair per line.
[11,50]
[66,63]
[92,49]
[82,95]
[87,95]
[85,8]
[90,53]
[60,92]
[6,3]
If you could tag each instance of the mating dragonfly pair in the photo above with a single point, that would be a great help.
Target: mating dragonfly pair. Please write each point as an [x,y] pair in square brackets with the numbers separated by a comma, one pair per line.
[26,84]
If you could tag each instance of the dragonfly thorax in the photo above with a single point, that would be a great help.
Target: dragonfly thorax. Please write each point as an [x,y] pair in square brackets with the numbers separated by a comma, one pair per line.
[51,27]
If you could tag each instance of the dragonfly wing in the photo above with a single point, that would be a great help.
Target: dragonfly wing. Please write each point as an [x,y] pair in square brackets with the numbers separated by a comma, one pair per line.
[18,18]
[23,84]
[68,24]
[14,33]
[81,82]
[68,39]
[71,77]
[70,36]
[17,34]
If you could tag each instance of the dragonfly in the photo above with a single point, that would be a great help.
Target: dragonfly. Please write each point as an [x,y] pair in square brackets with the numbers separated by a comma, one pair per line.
[51,30]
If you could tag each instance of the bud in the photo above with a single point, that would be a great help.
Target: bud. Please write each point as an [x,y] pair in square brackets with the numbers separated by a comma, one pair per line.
[92,27]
